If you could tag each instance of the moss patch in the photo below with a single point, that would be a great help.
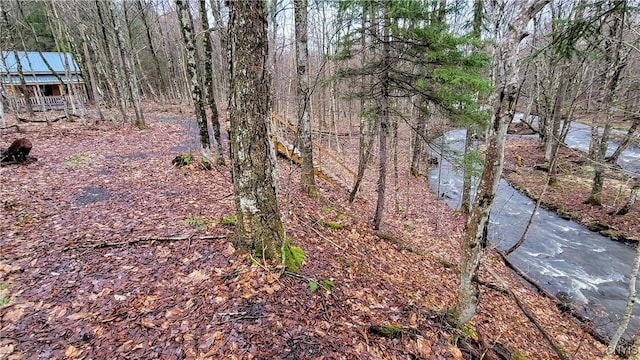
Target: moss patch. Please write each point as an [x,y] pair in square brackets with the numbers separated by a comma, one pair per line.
[293,257]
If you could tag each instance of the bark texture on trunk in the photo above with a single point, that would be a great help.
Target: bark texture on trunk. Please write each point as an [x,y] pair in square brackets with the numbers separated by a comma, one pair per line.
[153,51]
[259,227]
[631,301]
[209,86]
[186,29]
[384,124]
[307,179]
[599,142]
[504,97]
[419,143]
[130,75]
[626,141]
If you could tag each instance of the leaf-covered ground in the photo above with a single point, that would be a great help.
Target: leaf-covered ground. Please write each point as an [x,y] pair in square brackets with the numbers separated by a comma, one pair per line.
[575,177]
[110,252]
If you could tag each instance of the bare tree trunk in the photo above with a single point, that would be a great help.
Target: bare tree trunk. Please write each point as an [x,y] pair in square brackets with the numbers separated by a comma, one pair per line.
[368,127]
[3,119]
[384,122]
[259,227]
[625,142]
[222,75]
[635,186]
[631,300]
[112,72]
[599,143]
[307,179]
[467,175]
[273,21]
[553,142]
[503,111]
[419,135]
[95,94]
[129,72]
[186,29]
[23,83]
[152,50]
[208,82]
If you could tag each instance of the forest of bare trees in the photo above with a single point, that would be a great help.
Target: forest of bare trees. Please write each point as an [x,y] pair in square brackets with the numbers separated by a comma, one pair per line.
[385,73]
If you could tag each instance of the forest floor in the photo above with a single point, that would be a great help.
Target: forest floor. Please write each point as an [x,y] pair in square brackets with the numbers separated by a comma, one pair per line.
[108,251]
[567,198]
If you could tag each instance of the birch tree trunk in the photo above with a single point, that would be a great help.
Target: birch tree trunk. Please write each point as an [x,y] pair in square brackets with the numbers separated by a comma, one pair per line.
[186,29]
[209,86]
[635,186]
[508,80]
[307,179]
[465,205]
[259,227]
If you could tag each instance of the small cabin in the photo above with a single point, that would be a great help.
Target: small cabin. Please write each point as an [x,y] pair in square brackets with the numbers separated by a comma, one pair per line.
[46,77]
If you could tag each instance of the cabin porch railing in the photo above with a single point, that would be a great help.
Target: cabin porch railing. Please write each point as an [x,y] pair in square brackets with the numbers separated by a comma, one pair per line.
[43,103]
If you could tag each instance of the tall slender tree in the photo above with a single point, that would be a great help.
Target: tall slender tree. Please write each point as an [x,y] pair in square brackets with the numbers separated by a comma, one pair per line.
[384,119]
[112,68]
[307,178]
[152,50]
[186,29]
[209,86]
[614,53]
[125,56]
[503,99]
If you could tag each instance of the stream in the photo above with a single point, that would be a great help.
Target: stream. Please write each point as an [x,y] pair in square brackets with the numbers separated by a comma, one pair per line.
[561,255]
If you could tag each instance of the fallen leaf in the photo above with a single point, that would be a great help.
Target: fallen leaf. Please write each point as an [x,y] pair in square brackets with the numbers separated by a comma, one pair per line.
[6,350]
[72,352]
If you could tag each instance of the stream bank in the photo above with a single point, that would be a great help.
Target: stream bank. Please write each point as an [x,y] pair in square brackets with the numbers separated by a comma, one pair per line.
[561,255]
[573,187]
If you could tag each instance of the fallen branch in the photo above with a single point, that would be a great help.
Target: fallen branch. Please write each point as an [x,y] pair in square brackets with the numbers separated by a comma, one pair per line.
[11,126]
[586,323]
[25,120]
[320,235]
[133,242]
[558,350]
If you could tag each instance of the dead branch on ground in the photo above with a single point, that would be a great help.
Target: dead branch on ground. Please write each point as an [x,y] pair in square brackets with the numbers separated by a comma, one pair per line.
[147,239]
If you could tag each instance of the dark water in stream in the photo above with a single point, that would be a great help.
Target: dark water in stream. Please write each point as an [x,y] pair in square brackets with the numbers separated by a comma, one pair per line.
[561,255]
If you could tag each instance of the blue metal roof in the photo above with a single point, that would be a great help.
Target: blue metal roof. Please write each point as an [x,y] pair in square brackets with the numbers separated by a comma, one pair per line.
[33,62]
[40,79]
